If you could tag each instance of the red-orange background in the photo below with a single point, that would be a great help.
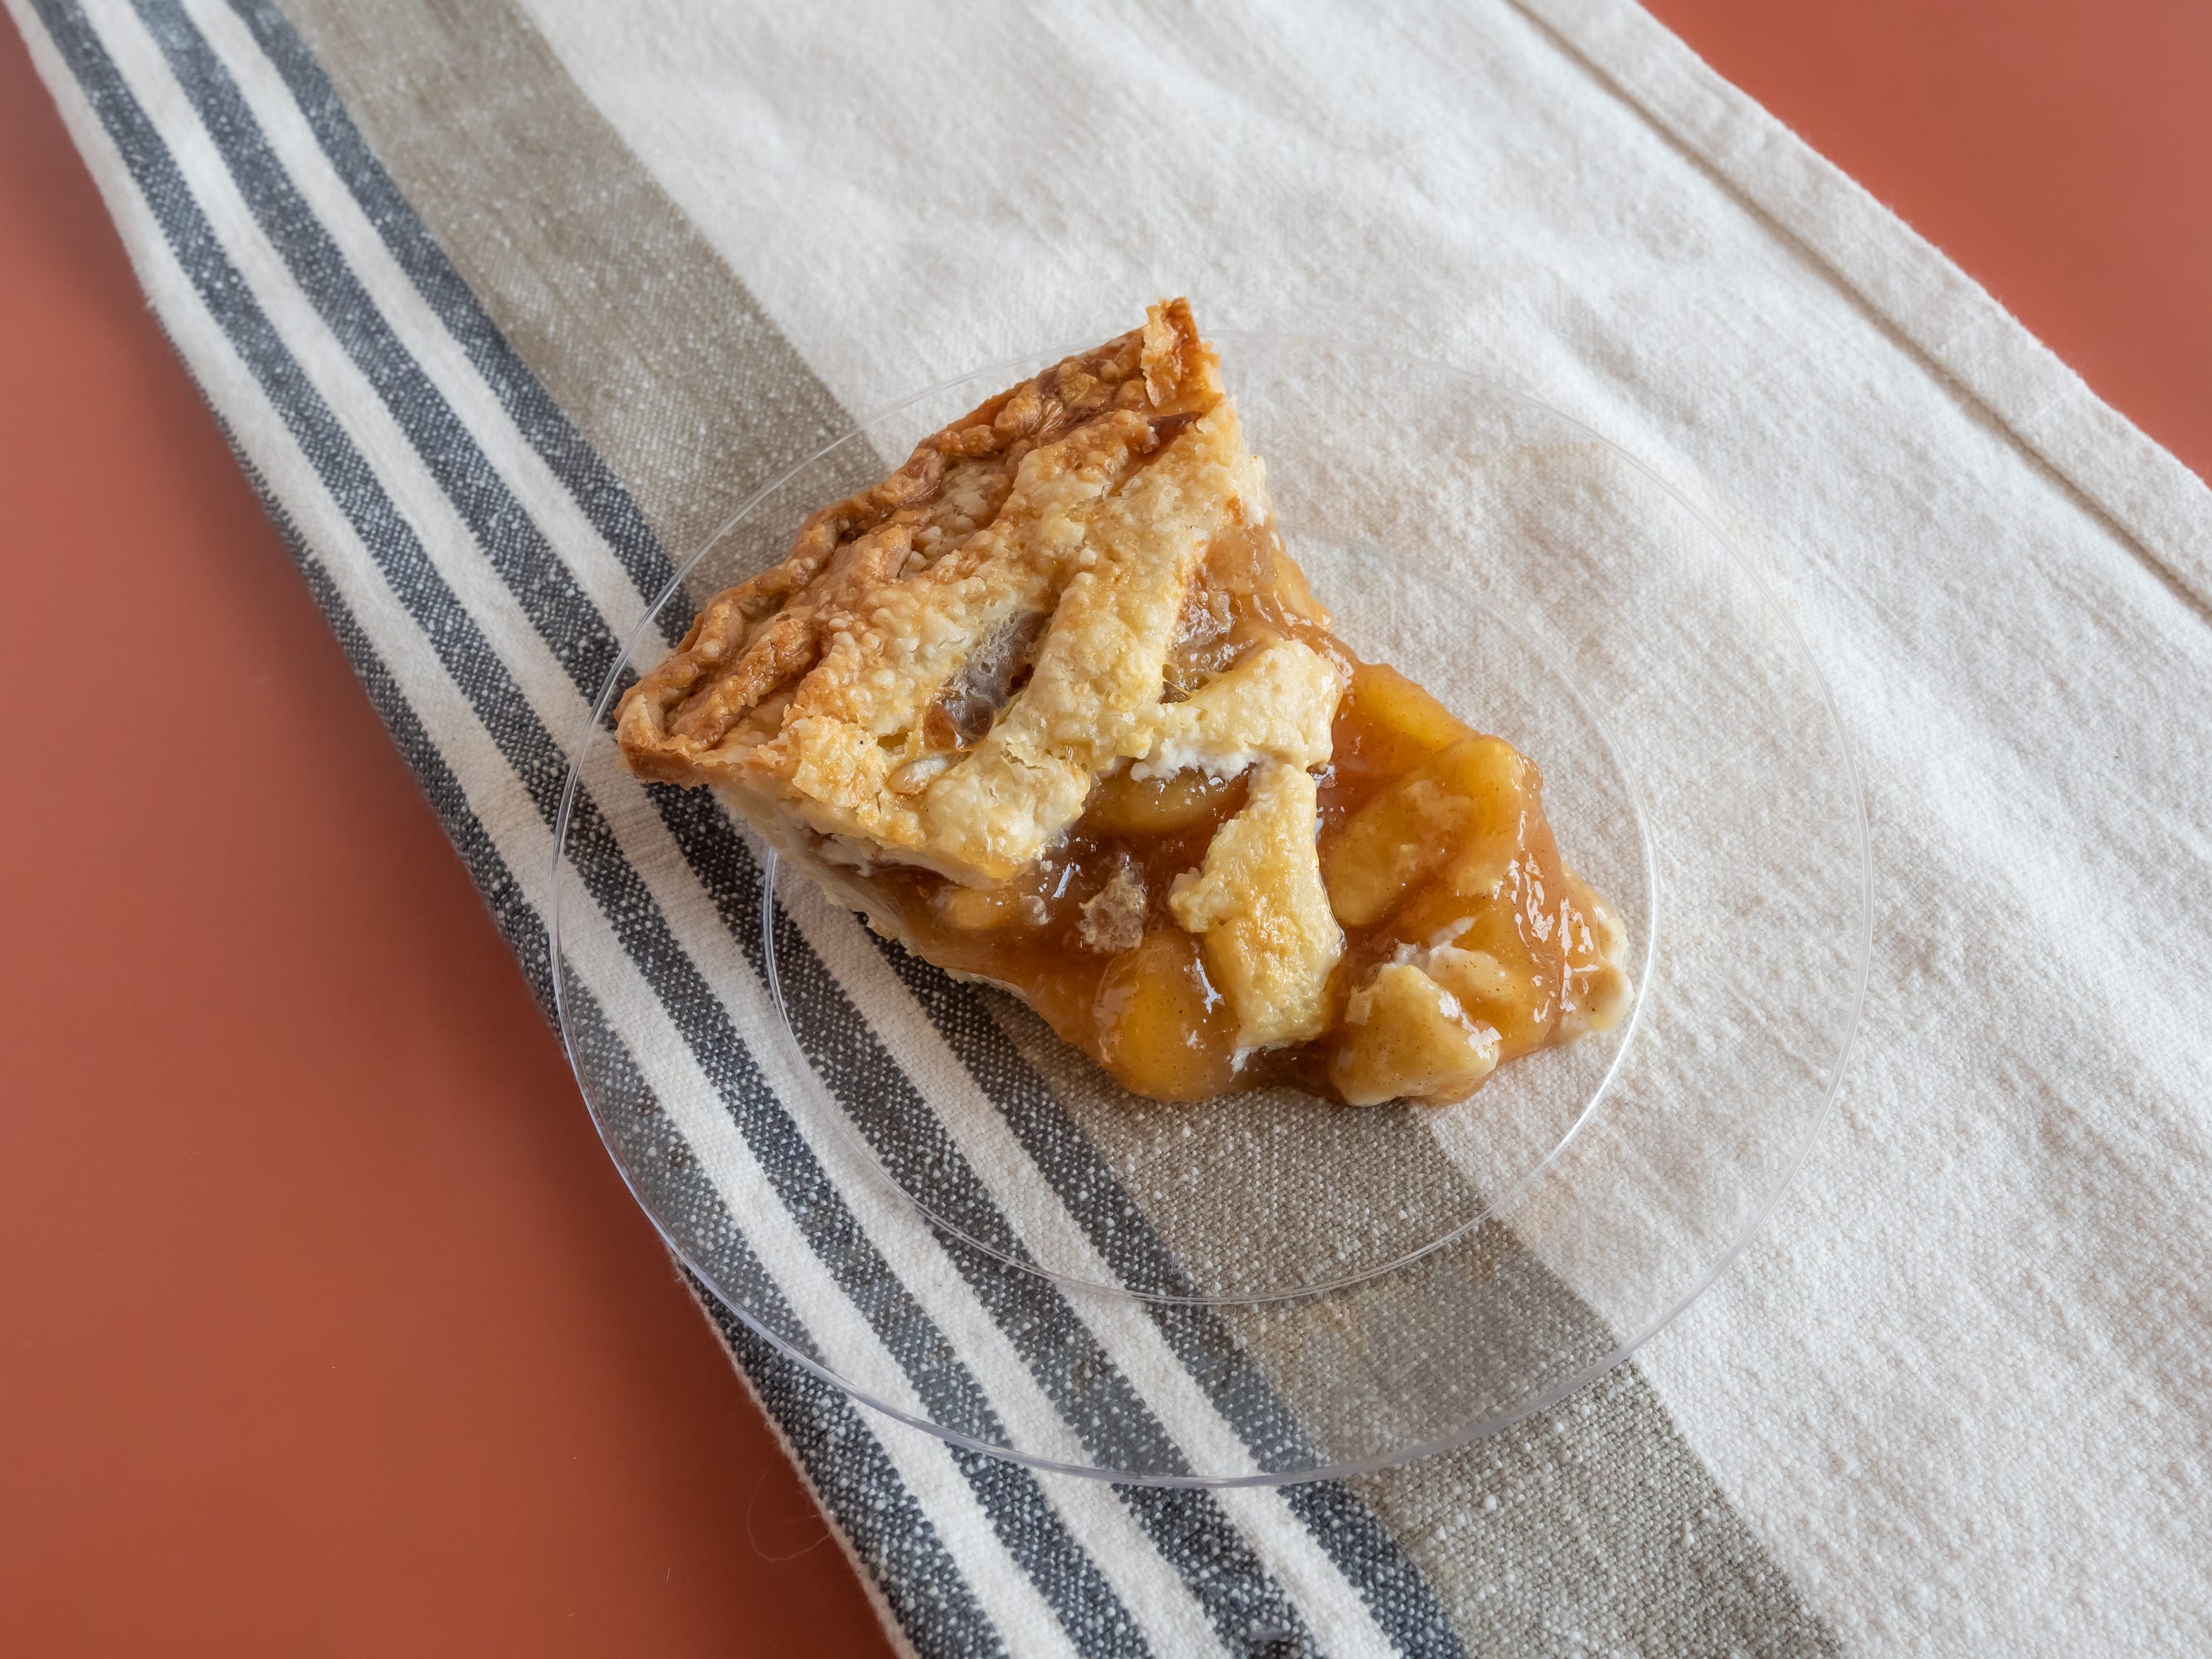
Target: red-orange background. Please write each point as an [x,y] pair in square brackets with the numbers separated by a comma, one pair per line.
[324,1326]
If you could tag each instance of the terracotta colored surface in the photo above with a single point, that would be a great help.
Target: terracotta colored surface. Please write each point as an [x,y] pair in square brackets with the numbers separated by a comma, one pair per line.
[324,1326]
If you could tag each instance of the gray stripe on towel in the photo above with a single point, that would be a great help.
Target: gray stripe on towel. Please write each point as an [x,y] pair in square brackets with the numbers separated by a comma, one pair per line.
[623,311]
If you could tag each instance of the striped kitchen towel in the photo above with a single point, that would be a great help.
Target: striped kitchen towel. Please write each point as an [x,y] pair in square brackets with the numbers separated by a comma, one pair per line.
[503,305]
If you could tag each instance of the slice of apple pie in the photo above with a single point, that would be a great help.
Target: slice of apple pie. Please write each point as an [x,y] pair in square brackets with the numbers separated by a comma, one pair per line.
[1052,706]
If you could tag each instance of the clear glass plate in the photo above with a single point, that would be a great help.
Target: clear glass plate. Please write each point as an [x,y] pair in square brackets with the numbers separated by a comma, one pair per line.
[864,1158]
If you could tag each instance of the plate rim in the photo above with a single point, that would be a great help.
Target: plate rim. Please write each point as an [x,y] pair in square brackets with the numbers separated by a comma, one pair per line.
[1859,972]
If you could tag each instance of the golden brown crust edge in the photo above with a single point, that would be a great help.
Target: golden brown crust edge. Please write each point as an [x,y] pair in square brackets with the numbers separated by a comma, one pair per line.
[751,640]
